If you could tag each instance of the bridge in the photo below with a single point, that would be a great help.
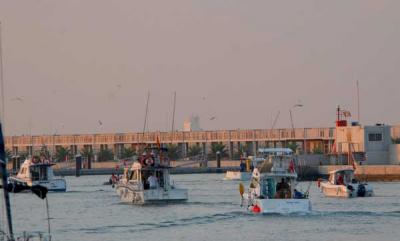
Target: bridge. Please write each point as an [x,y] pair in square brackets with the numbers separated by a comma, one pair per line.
[308,140]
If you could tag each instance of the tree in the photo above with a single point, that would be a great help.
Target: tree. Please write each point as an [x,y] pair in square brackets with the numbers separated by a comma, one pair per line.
[396,140]
[194,150]
[317,150]
[218,147]
[292,145]
[173,152]
[63,153]
[105,155]
[44,152]
[86,152]
[128,152]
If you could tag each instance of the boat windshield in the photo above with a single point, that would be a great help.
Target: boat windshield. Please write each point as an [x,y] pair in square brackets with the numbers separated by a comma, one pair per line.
[39,173]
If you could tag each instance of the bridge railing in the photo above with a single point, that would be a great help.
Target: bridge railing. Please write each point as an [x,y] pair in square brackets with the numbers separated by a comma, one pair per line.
[175,137]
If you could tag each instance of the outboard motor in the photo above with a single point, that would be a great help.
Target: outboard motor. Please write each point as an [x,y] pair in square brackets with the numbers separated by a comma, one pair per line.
[361,190]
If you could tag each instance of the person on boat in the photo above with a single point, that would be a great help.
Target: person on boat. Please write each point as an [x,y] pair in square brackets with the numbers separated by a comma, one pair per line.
[340,180]
[152,180]
[283,189]
[298,194]
[242,166]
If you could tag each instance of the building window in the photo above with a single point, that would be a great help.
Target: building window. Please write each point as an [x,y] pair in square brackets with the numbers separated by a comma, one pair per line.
[375,137]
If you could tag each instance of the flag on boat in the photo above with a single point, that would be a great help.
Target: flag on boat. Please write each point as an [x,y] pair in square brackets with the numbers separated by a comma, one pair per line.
[291,166]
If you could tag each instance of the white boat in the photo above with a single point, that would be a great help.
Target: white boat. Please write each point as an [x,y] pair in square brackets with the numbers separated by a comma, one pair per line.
[342,183]
[255,162]
[40,173]
[148,181]
[274,191]
[237,175]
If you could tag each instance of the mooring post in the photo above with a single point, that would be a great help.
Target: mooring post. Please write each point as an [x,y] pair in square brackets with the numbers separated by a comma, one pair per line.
[78,161]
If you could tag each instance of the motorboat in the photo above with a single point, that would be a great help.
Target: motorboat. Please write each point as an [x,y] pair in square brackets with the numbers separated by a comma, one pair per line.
[259,161]
[38,172]
[147,181]
[274,191]
[342,183]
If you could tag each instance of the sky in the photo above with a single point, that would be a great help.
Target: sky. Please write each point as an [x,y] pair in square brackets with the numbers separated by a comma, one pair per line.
[72,66]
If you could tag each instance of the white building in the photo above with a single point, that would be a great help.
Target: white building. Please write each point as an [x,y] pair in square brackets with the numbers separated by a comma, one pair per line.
[374,142]
[192,124]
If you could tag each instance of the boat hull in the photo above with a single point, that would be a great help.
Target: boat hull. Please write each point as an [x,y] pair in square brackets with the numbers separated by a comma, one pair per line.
[341,191]
[235,175]
[281,206]
[129,194]
[54,185]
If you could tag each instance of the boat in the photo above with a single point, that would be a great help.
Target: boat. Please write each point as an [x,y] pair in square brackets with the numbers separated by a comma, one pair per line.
[40,191]
[38,172]
[342,183]
[237,175]
[147,181]
[274,191]
[251,162]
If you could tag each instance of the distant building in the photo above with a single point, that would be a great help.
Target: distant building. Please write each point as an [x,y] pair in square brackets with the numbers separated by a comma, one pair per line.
[192,124]
[369,144]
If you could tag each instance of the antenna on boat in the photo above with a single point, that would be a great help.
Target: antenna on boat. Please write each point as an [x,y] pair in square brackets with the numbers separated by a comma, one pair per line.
[173,118]
[358,101]
[147,112]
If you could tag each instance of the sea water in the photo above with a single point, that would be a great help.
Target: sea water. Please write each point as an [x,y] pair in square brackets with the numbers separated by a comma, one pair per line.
[91,211]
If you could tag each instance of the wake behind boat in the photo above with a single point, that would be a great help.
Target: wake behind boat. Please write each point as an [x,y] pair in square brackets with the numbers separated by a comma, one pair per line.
[147,181]
[34,172]
[274,191]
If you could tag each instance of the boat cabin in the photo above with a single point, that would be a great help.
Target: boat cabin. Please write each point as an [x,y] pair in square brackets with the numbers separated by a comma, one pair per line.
[342,177]
[277,186]
[147,177]
[35,171]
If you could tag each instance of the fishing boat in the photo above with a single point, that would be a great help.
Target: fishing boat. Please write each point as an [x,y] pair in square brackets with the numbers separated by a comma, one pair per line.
[147,181]
[274,191]
[342,183]
[40,191]
[38,172]
[252,162]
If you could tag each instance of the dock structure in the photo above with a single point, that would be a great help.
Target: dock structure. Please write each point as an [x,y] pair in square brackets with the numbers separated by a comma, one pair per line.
[307,140]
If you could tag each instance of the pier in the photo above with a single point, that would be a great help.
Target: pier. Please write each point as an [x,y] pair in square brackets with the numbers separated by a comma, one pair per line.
[307,140]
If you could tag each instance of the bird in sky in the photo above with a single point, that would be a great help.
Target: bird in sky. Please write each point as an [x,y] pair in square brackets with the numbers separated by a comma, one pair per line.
[100,123]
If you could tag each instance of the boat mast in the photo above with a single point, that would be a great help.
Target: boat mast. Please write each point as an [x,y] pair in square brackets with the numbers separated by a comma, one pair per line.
[145,117]
[3,161]
[173,117]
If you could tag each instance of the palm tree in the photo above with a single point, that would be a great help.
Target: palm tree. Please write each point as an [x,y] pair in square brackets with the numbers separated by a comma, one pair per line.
[128,152]
[173,152]
[86,152]
[105,155]
[63,153]
[194,150]
[44,152]
[218,147]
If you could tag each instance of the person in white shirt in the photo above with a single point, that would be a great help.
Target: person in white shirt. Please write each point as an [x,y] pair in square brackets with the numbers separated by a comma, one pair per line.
[152,180]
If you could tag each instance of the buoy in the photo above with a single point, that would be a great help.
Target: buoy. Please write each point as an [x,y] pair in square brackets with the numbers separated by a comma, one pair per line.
[256,209]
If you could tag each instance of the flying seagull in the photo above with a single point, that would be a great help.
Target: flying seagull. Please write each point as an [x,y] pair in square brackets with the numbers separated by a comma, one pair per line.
[100,123]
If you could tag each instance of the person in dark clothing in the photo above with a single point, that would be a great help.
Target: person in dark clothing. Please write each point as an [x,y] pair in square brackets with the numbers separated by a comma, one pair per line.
[242,166]
[283,189]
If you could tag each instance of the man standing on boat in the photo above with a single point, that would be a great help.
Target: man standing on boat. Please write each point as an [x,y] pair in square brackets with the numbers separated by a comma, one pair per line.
[152,180]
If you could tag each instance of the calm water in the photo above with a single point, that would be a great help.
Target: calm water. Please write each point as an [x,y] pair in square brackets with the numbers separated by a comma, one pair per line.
[91,211]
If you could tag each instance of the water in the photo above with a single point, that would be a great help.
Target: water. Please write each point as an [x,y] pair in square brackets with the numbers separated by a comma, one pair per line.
[90,211]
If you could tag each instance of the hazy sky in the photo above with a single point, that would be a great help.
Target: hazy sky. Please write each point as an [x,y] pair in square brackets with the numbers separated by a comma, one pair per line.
[69,64]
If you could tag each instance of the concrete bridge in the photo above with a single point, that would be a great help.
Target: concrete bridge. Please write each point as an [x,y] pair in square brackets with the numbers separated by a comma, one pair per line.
[308,140]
